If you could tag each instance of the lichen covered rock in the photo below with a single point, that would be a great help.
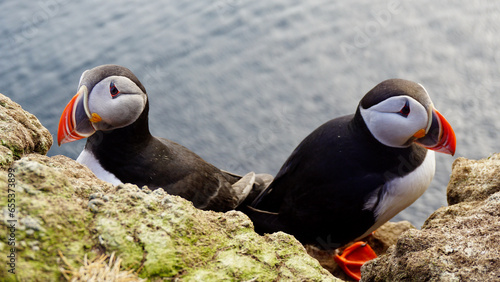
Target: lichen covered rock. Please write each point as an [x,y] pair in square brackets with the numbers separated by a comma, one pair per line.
[20,133]
[62,206]
[456,243]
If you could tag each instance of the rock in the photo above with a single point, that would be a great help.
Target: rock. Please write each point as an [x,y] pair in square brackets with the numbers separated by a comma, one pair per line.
[62,207]
[21,133]
[456,243]
[387,235]
[380,241]
[474,180]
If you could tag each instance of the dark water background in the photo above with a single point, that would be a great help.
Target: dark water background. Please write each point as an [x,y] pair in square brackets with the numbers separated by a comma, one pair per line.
[242,82]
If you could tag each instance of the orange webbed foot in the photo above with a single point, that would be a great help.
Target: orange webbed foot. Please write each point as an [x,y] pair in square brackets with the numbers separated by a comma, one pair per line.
[354,257]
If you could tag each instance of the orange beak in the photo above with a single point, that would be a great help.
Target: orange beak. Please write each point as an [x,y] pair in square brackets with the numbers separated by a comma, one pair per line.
[75,123]
[440,137]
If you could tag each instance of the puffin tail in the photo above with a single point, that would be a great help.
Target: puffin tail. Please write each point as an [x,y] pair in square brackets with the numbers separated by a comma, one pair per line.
[249,186]
[243,186]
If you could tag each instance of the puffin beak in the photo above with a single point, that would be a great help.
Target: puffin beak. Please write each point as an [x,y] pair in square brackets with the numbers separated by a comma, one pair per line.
[439,135]
[75,122]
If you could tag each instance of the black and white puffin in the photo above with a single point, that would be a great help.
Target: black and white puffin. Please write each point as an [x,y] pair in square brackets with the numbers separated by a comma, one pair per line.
[354,173]
[111,110]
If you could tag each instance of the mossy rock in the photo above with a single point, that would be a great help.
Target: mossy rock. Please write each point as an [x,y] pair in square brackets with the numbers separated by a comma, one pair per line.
[62,207]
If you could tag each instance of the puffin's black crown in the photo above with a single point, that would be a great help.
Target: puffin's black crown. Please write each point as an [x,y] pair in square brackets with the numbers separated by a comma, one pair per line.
[93,76]
[395,87]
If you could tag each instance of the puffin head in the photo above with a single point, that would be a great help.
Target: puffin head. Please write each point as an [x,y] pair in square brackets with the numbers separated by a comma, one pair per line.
[108,97]
[399,112]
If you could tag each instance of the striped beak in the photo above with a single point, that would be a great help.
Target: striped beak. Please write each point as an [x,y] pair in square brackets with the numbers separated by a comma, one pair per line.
[75,121]
[439,135]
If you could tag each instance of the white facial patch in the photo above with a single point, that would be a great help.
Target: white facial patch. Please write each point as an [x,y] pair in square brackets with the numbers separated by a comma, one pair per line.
[120,111]
[389,127]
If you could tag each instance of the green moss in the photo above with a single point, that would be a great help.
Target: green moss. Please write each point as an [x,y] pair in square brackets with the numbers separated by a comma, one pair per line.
[115,236]
[162,259]
[244,267]
[17,151]
[60,233]
[207,275]
[48,222]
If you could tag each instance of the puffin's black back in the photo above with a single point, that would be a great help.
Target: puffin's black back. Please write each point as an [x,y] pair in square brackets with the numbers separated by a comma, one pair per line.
[317,194]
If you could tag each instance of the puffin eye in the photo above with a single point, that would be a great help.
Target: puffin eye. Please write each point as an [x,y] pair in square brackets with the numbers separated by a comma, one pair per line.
[405,111]
[113,90]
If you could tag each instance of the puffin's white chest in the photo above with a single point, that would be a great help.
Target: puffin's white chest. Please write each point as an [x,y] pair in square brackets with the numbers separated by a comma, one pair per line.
[401,192]
[88,159]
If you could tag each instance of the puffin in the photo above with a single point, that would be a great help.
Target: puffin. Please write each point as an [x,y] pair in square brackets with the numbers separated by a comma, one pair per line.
[354,173]
[110,109]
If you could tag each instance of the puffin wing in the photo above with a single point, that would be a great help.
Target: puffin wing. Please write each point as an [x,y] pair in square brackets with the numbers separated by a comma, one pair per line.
[197,180]
[205,185]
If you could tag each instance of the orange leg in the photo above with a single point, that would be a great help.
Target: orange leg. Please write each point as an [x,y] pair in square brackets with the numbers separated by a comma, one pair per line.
[354,257]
